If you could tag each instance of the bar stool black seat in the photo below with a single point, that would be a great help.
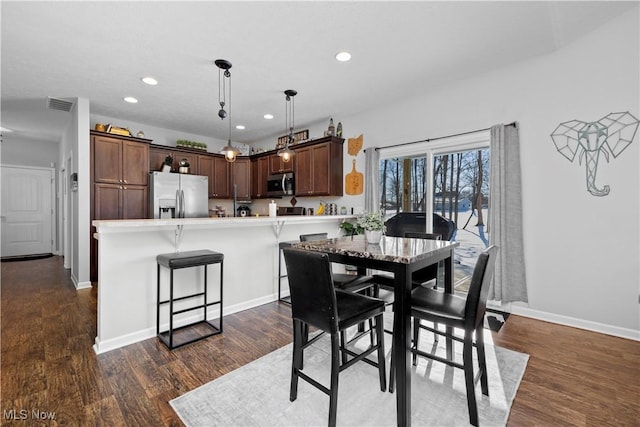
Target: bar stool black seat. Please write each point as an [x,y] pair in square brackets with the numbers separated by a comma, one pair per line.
[178,336]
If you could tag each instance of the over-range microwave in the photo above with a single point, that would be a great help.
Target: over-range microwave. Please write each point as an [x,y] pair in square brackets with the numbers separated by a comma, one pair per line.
[280,184]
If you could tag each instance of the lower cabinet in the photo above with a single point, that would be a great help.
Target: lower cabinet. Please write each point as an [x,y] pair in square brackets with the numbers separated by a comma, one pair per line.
[116,201]
[112,201]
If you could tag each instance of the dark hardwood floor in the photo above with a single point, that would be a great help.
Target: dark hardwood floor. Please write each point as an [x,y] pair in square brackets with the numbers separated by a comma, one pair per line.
[574,377]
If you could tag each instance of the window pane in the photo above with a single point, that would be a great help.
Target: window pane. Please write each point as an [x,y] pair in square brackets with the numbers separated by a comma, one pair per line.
[461,194]
[455,188]
[403,185]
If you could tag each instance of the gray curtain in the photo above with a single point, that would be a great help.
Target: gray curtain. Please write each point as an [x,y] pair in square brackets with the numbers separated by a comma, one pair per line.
[371,170]
[505,215]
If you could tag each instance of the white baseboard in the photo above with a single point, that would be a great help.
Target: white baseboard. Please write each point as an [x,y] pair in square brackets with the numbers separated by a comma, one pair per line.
[576,323]
[82,285]
[141,335]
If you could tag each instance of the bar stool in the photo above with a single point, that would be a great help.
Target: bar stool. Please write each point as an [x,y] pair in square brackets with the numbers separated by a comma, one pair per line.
[197,330]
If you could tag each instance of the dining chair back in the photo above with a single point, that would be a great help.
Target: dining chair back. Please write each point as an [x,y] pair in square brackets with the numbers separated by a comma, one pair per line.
[313,236]
[463,313]
[315,302]
[430,273]
[309,276]
[344,281]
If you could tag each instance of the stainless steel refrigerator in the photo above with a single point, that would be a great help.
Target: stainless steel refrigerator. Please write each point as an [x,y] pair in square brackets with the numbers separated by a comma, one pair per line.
[174,195]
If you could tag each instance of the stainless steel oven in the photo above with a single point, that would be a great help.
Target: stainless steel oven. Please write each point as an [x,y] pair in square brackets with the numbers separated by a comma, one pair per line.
[281,184]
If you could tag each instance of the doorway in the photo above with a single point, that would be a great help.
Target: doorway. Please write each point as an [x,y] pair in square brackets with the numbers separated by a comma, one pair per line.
[27,211]
[448,177]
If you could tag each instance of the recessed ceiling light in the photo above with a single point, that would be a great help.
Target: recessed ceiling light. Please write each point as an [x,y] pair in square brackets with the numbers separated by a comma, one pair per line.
[149,80]
[268,116]
[130,99]
[240,127]
[343,56]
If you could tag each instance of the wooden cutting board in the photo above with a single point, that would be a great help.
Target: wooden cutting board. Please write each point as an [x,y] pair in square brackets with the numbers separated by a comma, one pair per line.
[354,181]
[354,145]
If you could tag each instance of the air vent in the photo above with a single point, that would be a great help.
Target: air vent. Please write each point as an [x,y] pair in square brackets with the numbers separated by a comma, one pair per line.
[59,104]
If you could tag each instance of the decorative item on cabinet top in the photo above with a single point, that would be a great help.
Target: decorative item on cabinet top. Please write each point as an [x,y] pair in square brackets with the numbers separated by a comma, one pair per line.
[298,138]
[244,149]
[118,130]
[191,144]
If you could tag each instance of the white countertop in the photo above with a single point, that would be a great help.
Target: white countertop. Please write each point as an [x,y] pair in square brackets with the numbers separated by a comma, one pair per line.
[131,225]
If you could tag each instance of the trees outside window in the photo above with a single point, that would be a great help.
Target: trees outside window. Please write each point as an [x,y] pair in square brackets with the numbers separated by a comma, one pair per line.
[447,179]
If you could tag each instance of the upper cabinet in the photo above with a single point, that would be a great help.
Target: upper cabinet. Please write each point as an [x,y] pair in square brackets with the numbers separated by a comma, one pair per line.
[276,165]
[241,178]
[158,154]
[259,173]
[216,168]
[120,161]
[318,167]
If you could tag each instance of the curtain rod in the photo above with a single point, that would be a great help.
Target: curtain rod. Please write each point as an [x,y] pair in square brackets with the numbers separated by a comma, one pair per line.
[440,137]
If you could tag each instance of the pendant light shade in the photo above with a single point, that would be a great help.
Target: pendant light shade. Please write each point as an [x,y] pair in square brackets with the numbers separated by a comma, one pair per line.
[286,153]
[224,80]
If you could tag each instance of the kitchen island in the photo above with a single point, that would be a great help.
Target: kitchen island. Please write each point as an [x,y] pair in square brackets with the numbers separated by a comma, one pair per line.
[127,276]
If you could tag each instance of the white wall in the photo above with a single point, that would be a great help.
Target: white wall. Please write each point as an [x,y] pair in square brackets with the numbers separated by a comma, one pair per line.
[158,135]
[75,141]
[27,152]
[581,251]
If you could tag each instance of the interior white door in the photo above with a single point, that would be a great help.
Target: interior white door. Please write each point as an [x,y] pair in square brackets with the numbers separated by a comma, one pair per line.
[26,211]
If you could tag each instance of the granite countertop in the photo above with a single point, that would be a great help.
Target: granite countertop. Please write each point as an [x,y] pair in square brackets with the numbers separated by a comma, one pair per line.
[393,249]
[250,221]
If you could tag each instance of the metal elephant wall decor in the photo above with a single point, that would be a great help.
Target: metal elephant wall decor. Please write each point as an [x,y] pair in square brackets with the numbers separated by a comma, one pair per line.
[611,134]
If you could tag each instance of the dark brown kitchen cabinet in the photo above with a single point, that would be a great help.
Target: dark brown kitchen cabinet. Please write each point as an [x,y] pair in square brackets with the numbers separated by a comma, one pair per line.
[276,165]
[157,155]
[120,201]
[216,168]
[241,173]
[318,168]
[118,161]
[119,182]
[259,173]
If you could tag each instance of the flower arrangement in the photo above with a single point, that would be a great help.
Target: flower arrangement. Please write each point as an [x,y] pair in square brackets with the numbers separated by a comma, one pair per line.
[371,221]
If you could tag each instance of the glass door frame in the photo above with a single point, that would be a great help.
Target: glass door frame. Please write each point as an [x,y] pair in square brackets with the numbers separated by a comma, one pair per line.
[436,147]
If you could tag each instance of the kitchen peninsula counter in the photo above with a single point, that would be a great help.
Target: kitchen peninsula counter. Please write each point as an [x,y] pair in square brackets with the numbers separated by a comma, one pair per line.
[127,251]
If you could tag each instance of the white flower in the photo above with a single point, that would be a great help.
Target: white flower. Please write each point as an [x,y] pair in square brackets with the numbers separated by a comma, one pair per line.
[371,221]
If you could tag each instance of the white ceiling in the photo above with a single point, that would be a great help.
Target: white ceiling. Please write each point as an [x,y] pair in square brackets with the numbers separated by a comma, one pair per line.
[100,50]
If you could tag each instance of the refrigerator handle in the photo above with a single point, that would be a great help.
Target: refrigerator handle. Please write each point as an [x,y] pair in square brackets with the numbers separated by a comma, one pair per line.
[178,207]
[182,203]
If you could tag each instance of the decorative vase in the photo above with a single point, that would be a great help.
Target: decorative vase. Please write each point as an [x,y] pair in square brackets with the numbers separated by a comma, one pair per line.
[373,236]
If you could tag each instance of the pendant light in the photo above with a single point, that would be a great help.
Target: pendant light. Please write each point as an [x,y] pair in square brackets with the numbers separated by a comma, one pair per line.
[286,153]
[224,77]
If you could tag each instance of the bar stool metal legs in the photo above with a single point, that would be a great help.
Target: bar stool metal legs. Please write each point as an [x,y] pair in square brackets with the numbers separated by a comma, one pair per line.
[196,330]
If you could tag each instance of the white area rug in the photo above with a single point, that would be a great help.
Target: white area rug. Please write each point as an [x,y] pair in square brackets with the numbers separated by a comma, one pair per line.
[257,394]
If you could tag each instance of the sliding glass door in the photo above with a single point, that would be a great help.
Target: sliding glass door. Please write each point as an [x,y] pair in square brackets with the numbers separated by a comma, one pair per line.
[446,181]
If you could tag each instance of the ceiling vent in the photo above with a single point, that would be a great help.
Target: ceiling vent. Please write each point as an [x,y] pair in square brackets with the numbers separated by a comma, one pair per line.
[59,104]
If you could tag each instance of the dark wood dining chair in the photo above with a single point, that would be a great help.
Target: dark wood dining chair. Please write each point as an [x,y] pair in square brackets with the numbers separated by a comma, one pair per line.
[466,314]
[426,277]
[344,281]
[317,303]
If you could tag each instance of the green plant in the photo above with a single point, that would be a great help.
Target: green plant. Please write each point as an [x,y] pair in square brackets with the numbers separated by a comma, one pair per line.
[350,228]
[371,221]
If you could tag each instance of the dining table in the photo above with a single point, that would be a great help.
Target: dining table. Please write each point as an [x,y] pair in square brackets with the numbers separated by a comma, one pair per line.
[400,256]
